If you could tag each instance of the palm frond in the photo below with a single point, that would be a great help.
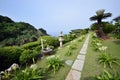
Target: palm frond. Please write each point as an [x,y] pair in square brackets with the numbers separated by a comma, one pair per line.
[100,12]
[93,18]
[106,15]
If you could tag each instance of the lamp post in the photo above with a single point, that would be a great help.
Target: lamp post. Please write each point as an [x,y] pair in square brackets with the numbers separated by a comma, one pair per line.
[61,39]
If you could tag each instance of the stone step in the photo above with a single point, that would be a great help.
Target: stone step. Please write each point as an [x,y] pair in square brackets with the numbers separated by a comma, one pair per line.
[78,65]
[73,75]
[81,57]
[75,72]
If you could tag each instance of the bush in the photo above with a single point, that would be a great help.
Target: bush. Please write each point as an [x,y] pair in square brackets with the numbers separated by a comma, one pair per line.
[108,60]
[68,53]
[72,47]
[8,56]
[32,46]
[106,75]
[68,38]
[48,40]
[31,74]
[27,56]
[54,63]
[108,28]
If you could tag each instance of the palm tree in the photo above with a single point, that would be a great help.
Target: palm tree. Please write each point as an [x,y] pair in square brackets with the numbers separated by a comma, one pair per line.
[117,19]
[98,17]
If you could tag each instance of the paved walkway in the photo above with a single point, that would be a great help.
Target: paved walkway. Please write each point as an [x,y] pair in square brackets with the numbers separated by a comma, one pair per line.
[75,72]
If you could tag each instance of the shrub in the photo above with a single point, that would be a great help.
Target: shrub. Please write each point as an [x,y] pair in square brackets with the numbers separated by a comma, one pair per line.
[31,74]
[48,40]
[106,75]
[94,36]
[68,53]
[96,44]
[8,56]
[32,46]
[69,37]
[54,63]
[108,28]
[27,56]
[107,60]
[72,47]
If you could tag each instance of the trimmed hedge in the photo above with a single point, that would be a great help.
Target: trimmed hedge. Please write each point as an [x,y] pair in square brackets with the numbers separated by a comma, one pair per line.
[48,40]
[8,56]
[27,56]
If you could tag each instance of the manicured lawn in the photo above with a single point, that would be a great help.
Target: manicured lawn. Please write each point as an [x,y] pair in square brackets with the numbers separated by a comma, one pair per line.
[91,66]
[62,73]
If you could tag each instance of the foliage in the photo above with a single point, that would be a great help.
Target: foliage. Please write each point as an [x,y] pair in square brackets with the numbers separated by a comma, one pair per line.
[68,53]
[98,17]
[32,46]
[48,40]
[81,38]
[106,75]
[19,32]
[94,36]
[54,63]
[27,56]
[4,19]
[103,49]
[117,19]
[30,74]
[74,34]
[79,32]
[107,60]
[9,55]
[107,27]
[69,37]
[72,47]
[96,44]
[117,30]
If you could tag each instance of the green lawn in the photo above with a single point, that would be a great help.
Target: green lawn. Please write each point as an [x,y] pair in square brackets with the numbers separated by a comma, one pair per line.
[62,73]
[91,67]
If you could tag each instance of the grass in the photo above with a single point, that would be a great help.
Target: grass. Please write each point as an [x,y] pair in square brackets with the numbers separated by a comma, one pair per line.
[62,73]
[91,67]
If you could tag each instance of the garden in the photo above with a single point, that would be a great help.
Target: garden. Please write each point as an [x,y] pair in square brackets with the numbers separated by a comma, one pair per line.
[102,60]
[35,65]
[32,61]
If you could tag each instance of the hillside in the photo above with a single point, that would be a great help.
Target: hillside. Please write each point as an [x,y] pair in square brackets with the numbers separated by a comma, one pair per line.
[17,33]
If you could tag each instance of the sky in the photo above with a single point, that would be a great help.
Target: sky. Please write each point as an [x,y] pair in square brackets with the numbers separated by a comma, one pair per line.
[57,15]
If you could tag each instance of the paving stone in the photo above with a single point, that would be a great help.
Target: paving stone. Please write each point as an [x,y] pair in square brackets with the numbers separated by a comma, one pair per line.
[83,52]
[78,65]
[75,72]
[73,75]
[84,49]
[81,57]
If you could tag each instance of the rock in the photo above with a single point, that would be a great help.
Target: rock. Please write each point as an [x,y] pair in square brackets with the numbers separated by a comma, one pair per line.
[69,62]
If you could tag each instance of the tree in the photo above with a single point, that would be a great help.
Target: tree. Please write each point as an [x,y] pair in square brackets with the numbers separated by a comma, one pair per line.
[98,17]
[117,19]
[117,25]
[106,27]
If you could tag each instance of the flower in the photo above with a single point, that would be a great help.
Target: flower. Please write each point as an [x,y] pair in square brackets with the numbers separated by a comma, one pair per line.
[103,48]
[33,66]
[98,44]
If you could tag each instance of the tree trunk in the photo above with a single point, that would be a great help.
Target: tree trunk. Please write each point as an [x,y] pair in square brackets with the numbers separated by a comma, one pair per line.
[100,33]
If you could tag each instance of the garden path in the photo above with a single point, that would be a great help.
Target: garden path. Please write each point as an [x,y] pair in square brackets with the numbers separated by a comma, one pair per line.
[75,72]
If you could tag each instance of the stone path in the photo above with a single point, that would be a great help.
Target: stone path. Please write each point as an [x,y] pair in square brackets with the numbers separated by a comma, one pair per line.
[75,72]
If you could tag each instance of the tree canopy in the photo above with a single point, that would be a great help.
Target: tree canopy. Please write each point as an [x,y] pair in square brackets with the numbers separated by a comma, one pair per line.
[17,33]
